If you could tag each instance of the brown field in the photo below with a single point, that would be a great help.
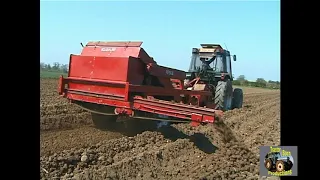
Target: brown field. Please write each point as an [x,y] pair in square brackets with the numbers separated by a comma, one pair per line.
[71,148]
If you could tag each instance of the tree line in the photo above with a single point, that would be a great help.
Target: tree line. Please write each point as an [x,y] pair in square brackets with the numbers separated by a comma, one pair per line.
[240,81]
[260,82]
[57,67]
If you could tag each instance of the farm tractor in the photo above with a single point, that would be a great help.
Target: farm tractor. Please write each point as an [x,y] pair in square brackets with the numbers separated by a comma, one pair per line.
[274,161]
[120,82]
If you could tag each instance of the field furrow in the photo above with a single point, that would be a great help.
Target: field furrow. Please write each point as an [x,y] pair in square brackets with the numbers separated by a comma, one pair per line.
[71,148]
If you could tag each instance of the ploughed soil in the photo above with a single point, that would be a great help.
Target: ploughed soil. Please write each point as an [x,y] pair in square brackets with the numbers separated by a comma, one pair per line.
[71,148]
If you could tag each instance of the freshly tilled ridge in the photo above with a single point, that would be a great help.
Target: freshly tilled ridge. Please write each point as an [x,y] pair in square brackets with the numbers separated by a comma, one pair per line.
[233,161]
[56,112]
[103,153]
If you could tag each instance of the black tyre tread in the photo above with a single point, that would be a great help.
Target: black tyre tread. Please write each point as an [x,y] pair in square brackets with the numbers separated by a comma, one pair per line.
[237,100]
[220,93]
[104,122]
[289,165]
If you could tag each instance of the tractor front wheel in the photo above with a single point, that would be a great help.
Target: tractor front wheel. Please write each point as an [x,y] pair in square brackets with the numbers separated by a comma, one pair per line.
[237,100]
[104,122]
[289,165]
[280,166]
[223,95]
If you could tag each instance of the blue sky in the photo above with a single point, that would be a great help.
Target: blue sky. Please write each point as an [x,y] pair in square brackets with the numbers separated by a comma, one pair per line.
[169,30]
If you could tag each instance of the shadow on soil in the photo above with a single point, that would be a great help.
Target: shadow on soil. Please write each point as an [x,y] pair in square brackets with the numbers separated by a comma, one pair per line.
[135,127]
[200,140]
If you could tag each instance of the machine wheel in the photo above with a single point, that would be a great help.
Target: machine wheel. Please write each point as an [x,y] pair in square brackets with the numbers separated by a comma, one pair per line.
[223,95]
[104,122]
[237,98]
[280,166]
[289,165]
[268,164]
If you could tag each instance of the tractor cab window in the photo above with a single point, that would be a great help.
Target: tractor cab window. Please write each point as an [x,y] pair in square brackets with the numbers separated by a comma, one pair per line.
[228,62]
[195,63]
[217,63]
[206,60]
[212,63]
[203,59]
[276,155]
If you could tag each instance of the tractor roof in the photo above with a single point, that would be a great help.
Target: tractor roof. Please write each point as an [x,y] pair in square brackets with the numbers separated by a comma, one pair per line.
[270,153]
[210,46]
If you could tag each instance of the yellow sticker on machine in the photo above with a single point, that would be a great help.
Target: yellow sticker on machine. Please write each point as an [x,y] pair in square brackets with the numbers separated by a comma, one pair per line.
[211,50]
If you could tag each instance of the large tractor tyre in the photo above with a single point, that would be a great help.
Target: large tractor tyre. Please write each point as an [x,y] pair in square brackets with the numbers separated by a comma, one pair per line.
[268,164]
[237,99]
[280,166]
[223,95]
[288,166]
[104,122]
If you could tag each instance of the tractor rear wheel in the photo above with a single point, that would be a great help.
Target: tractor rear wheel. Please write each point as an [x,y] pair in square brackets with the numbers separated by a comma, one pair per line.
[268,164]
[104,122]
[237,100]
[223,95]
[280,166]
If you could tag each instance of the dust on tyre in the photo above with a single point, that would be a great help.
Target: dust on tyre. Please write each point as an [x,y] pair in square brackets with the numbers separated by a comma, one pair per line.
[268,164]
[280,166]
[237,99]
[223,95]
[104,122]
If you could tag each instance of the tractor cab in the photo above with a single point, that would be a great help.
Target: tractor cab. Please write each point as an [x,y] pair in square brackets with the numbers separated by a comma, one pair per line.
[210,61]
[274,156]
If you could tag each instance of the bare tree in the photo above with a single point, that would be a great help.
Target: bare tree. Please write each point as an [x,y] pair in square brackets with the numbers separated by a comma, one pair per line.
[242,80]
[56,66]
[64,68]
[42,65]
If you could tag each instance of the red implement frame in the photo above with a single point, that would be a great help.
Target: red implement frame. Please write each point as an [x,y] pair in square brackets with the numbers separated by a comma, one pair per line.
[126,106]
[122,75]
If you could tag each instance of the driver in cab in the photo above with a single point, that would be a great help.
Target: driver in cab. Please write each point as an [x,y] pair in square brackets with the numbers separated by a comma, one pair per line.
[206,62]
